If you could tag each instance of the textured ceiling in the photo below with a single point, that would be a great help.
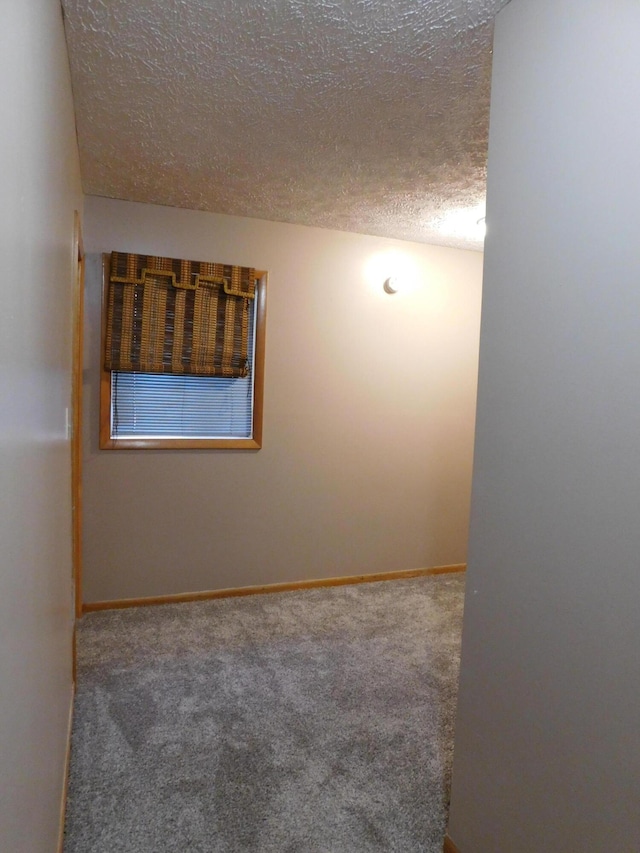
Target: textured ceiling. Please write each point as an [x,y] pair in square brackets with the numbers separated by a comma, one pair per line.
[360,115]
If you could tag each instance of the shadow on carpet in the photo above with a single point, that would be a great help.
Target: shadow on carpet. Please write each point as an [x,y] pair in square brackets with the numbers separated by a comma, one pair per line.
[318,721]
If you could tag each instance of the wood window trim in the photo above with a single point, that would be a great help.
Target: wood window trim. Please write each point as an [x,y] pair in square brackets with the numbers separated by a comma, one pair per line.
[254,443]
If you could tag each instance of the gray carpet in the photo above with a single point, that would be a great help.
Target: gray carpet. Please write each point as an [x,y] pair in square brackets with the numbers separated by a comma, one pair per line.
[318,721]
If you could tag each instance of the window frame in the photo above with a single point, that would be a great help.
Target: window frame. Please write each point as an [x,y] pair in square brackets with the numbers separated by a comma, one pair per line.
[254,443]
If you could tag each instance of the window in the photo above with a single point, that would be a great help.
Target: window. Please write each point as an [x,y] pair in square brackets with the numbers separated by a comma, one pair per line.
[144,408]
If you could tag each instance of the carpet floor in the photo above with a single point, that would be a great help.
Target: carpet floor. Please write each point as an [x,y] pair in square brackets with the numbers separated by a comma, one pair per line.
[317,721]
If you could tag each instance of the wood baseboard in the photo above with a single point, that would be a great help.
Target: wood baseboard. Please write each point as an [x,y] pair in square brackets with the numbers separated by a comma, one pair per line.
[65,777]
[449,846]
[118,604]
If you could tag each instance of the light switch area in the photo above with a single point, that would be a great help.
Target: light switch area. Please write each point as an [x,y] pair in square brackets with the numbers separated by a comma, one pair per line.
[67,423]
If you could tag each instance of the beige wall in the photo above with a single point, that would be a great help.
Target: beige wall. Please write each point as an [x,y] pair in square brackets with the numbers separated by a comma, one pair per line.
[547,753]
[40,189]
[369,417]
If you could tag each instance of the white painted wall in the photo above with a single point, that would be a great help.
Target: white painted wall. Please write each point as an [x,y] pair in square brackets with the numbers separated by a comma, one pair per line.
[40,189]
[369,417]
[547,752]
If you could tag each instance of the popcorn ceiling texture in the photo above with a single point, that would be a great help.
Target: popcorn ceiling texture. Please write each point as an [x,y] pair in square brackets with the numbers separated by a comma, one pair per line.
[358,115]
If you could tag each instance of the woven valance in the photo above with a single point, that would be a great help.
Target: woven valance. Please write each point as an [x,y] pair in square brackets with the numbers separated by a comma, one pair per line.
[166,315]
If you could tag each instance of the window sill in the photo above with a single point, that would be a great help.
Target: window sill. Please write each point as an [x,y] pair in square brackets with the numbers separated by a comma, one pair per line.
[180,444]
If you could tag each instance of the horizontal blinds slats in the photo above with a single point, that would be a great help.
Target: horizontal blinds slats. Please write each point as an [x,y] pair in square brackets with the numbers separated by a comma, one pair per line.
[156,405]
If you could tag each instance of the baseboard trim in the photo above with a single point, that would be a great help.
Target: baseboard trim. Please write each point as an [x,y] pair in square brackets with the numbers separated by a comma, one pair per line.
[65,777]
[449,846]
[118,604]
[74,652]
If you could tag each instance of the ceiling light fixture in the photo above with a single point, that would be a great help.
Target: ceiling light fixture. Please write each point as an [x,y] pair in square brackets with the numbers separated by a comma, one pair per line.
[391,285]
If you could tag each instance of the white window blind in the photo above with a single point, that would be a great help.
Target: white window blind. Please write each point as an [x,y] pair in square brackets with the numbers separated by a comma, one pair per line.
[165,405]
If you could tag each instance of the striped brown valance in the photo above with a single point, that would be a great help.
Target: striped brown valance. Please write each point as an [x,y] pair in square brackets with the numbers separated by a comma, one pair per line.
[166,315]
